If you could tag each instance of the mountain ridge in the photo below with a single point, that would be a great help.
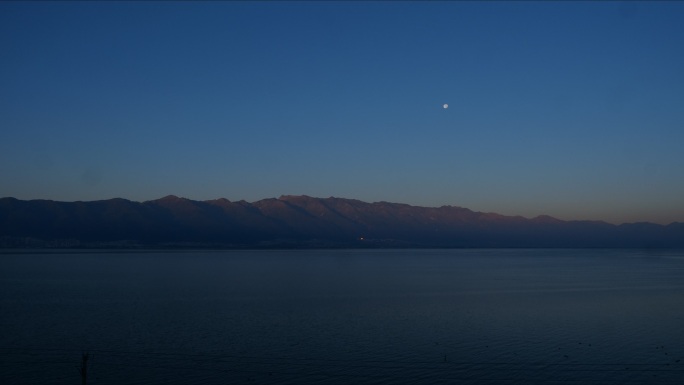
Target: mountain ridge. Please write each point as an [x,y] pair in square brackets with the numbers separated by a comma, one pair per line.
[302,221]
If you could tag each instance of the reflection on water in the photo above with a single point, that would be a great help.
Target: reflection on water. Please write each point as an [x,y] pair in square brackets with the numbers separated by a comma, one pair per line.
[378,316]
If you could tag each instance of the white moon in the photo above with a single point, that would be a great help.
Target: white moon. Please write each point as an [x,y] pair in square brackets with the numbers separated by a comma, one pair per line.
[445,106]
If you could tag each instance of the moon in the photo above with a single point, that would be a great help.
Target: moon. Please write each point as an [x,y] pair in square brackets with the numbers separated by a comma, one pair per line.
[445,106]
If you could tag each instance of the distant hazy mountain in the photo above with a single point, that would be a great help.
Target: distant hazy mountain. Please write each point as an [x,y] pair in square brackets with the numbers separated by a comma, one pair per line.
[302,221]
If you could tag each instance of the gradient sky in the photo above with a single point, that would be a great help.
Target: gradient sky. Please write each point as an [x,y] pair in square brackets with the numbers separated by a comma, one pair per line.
[571,109]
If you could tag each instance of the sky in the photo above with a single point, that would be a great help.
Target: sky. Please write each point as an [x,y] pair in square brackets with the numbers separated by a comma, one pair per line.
[571,109]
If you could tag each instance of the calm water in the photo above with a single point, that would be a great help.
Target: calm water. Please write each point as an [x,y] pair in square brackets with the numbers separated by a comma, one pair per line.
[333,317]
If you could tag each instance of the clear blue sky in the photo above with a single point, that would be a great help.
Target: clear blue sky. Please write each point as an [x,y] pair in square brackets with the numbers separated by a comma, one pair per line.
[572,109]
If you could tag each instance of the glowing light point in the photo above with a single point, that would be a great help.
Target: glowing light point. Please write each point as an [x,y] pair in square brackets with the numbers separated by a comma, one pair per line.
[445,106]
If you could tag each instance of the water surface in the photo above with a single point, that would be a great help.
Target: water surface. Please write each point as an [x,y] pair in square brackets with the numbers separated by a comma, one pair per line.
[340,316]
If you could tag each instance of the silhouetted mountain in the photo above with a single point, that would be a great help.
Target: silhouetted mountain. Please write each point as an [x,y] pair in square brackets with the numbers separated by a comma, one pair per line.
[302,221]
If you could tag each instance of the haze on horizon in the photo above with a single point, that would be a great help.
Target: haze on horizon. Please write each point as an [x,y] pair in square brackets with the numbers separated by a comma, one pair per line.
[570,109]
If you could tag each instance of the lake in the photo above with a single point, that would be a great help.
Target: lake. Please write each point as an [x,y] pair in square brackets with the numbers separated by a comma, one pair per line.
[343,316]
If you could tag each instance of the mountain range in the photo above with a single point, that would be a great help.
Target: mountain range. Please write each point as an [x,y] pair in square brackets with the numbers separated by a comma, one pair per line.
[302,222]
